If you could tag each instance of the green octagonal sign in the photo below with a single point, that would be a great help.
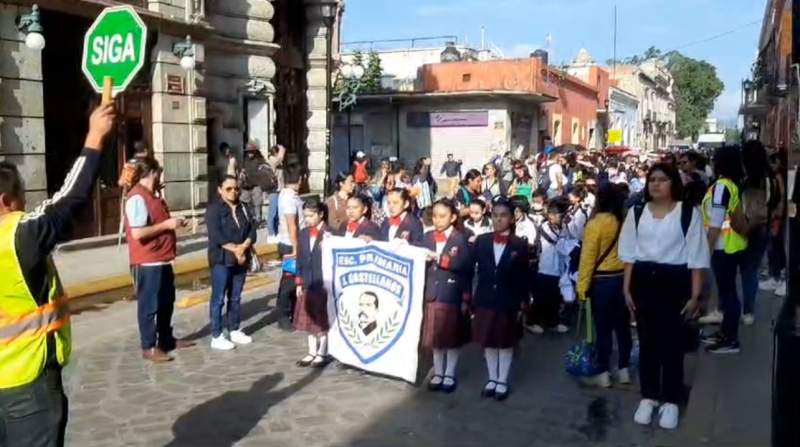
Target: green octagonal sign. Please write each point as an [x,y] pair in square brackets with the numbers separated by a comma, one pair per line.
[114,46]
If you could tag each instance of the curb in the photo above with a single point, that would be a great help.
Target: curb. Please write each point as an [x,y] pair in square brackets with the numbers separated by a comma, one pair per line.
[201,297]
[113,282]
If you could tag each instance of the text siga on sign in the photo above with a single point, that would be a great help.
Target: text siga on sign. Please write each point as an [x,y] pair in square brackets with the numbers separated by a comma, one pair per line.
[114,46]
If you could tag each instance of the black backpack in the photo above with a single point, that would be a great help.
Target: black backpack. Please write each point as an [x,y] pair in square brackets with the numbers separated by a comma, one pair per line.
[544,178]
[686,215]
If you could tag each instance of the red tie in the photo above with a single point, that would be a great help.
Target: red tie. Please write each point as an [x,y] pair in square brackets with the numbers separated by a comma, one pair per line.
[352,227]
[439,237]
[501,239]
[395,221]
[313,232]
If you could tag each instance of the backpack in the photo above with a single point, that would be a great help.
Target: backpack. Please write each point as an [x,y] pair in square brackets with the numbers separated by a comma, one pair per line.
[267,179]
[544,177]
[686,215]
[755,203]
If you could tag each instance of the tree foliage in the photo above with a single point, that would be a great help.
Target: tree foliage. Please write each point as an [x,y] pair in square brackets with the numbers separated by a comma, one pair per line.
[371,82]
[696,88]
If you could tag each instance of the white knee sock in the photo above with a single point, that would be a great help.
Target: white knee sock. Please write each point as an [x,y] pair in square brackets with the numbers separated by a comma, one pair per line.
[323,344]
[312,345]
[505,364]
[452,362]
[438,362]
[491,362]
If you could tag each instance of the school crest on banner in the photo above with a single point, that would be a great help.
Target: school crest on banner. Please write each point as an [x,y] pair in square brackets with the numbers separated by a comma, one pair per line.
[375,304]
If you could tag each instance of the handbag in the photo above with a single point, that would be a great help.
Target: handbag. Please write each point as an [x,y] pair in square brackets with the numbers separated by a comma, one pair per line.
[581,359]
[255,263]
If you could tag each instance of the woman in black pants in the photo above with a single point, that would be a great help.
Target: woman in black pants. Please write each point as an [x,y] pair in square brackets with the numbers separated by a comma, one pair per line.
[664,248]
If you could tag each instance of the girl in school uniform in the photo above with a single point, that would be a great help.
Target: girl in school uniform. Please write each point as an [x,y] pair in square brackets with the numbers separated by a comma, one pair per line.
[500,297]
[447,295]
[359,210]
[402,223]
[664,249]
[477,223]
[311,310]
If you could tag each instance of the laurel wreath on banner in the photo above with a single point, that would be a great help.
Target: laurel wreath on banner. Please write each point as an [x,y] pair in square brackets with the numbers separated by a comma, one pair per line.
[384,334]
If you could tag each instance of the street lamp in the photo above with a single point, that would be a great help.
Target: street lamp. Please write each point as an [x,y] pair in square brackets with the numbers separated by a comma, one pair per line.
[30,24]
[328,13]
[185,51]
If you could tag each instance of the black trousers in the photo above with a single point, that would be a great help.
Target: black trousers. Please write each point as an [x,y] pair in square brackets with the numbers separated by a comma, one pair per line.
[547,301]
[286,288]
[659,292]
[34,415]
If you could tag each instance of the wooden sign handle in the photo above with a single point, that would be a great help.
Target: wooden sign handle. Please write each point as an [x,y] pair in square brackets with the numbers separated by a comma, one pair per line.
[107,84]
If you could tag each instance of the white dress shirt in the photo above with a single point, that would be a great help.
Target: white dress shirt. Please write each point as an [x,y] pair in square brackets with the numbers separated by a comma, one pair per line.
[662,241]
[393,228]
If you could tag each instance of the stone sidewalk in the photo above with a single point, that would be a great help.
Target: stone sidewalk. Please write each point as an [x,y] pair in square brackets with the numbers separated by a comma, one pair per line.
[256,396]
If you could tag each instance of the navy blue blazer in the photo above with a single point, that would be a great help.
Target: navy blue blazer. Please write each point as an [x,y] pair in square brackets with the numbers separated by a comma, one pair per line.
[451,279]
[223,229]
[410,229]
[367,228]
[309,261]
[502,287]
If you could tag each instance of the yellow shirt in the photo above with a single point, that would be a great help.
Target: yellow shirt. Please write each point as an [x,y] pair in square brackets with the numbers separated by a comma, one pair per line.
[598,235]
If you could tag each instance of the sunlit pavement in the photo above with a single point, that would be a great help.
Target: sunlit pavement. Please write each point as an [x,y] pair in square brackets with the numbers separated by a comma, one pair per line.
[256,396]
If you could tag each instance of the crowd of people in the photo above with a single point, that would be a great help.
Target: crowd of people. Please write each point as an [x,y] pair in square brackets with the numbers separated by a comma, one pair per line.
[645,240]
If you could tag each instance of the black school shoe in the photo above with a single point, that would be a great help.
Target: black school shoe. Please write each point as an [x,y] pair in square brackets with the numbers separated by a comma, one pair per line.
[447,389]
[725,347]
[501,396]
[488,392]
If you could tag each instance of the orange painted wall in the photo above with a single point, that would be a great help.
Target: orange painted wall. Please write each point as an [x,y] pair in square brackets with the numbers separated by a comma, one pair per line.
[576,98]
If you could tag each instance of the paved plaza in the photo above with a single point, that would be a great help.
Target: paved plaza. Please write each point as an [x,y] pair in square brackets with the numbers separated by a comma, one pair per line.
[256,396]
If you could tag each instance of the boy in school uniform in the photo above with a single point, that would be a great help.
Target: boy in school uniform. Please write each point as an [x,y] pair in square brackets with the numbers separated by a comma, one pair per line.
[547,292]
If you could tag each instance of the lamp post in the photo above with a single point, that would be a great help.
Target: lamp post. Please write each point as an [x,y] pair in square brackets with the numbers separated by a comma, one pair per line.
[351,85]
[31,25]
[328,13]
[185,51]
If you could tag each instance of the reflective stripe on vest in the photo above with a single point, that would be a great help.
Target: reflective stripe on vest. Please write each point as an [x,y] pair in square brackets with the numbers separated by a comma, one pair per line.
[733,241]
[24,325]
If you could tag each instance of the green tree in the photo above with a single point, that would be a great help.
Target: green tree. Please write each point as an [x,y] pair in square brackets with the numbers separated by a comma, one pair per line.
[371,82]
[696,87]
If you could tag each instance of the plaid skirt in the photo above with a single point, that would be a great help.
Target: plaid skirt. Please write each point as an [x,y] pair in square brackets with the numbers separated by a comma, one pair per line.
[444,326]
[496,329]
[311,312]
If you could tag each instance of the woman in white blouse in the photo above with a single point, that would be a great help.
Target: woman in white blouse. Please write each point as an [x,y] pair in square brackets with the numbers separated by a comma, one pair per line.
[664,251]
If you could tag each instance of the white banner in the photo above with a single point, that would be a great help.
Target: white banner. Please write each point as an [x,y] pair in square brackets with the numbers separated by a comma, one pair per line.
[375,304]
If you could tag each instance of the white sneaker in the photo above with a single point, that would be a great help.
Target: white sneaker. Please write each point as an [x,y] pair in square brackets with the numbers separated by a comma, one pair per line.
[713,317]
[240,338]
[668,416]
[602,380]
[535,329]
[644,414]
[222,344]
[562,329]
[768,285]
[748,319]
[623,376]
[781,289]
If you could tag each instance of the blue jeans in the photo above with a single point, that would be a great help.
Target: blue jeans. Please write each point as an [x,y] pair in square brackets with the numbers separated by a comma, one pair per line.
[751,261]
[272,213]
[724,266]
[611,315]
[155,301]
[226,280]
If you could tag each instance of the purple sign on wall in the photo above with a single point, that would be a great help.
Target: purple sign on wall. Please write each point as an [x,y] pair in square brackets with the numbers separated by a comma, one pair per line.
[447,119]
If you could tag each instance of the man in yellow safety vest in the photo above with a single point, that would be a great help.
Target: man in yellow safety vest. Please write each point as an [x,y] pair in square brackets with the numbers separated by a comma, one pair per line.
[34,320]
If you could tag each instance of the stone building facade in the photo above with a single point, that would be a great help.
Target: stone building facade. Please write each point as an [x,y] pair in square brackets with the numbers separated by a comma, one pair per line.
[249,84]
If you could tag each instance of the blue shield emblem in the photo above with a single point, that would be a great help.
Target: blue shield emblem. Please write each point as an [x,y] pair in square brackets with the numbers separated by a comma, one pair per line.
[372,292]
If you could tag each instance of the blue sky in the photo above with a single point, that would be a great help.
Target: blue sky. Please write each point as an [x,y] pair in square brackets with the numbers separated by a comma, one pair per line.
[520,26]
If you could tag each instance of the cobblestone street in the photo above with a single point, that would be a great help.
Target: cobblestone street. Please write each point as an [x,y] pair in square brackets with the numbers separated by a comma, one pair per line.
[256,396]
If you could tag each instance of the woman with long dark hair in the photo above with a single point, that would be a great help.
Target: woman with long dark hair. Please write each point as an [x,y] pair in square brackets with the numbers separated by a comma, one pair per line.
[664,249]
[756,190]
[493,185]
[776,253]
[523,184]
[600,280]
[468,192]
[336,204]
[721,216]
